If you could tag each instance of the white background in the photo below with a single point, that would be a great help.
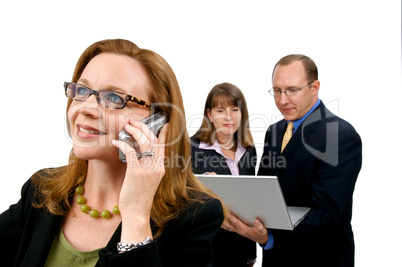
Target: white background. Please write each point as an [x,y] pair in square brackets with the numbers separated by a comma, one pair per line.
[355,44]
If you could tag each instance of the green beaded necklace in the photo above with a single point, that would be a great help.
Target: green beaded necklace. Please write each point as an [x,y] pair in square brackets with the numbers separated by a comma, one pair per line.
[92,212]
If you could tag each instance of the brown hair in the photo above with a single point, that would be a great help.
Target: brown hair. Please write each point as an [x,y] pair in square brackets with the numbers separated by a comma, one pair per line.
[308,64]
[179,187]
[232,95]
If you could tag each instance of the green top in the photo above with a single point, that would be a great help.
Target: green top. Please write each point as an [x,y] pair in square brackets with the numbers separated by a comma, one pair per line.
[63,254]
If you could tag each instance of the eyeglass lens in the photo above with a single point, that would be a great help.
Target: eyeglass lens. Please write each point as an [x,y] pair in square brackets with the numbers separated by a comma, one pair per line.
[107,98]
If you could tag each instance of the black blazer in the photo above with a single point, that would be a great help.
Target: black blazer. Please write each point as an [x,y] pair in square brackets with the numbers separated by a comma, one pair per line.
[27,234]
[230,249]
[204,160]
[317,169]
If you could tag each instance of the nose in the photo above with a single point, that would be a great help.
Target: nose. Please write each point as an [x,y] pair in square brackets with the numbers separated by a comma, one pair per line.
[90,108]
[283,98]
[228,115]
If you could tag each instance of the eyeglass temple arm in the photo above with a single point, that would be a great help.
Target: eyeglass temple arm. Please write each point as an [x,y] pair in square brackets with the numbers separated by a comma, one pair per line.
[139,101]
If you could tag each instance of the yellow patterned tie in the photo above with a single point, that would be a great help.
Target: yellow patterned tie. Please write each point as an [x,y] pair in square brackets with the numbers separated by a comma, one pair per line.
[287,135]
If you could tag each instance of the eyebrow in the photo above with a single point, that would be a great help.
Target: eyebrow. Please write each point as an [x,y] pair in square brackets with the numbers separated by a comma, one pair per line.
[83,82]
[225,106]
[109,87]
[289,87]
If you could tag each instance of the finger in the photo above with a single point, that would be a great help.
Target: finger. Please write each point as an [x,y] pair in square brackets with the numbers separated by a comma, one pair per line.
[259,227]
[234,221]
[141,133]
[150,134]
[129,151]
[226,225]
[239,227]
[261,233]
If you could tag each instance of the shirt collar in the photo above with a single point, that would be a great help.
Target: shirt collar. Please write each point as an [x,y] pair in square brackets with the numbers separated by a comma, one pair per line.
[240,150]
[298,122]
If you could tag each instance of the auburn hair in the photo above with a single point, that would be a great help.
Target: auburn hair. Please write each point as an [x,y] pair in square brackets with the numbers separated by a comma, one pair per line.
[179,187]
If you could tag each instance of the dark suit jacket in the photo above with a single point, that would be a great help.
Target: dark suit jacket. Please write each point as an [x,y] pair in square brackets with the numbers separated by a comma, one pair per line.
[27,234]
[317,169]
[230,249]
[204,160]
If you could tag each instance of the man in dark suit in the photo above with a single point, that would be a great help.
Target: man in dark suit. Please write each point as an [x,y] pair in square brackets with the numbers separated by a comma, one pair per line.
[320,157]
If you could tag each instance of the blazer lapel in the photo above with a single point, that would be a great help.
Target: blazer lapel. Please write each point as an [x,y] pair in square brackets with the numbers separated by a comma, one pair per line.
[294,144]
[45,231]
[275,143]
[303,133]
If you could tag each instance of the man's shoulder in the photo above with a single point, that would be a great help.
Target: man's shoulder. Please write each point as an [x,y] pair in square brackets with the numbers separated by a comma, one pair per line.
[330,117]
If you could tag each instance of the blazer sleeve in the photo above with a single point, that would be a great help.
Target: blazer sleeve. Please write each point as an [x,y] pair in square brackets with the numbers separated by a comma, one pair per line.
[332,191]
[185,241]
[12,223]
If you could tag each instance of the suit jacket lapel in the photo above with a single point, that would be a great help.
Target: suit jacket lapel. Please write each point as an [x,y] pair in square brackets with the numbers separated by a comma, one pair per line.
[294,144]
[275,141]
[46,229]
[303,133]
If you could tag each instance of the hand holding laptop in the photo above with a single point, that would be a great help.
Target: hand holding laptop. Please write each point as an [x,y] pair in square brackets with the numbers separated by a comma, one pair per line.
[258,233]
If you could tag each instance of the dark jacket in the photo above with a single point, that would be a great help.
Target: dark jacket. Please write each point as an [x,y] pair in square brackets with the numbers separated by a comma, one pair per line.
[27,234]
[204,160]
[317,169]
[230,249]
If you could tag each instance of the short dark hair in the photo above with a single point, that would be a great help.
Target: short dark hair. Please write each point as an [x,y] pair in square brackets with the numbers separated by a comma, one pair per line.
[309,65]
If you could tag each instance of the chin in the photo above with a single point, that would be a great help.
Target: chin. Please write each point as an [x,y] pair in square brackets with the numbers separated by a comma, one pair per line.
[226,133]
[91,153]
[289,117]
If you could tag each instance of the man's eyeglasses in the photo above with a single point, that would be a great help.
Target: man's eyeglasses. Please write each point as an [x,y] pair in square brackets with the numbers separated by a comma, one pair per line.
[288,92]
[108,98]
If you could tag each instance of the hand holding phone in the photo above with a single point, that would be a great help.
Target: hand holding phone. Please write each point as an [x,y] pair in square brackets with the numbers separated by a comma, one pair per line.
[155,123]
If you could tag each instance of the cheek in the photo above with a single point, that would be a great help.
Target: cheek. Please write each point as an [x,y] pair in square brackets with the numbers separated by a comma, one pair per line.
[70,111]
[70,117]
[277,101]
[218,118]
[295,102]
[116,121]
[301,105]
[239,116]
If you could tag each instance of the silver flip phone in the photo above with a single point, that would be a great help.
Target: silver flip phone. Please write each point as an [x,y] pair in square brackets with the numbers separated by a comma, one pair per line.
[154,123]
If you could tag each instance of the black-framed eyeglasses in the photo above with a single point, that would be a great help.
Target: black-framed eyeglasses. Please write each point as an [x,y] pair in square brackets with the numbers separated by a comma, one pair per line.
[108,98]
[288,92]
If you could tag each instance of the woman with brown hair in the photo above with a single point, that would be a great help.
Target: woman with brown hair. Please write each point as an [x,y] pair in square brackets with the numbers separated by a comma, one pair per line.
[155,212]
[224,145]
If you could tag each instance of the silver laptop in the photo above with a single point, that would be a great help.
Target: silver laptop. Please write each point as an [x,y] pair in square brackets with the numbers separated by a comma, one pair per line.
[251,197]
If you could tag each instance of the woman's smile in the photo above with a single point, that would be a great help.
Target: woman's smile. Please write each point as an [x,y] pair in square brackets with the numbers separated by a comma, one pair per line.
[85,131]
